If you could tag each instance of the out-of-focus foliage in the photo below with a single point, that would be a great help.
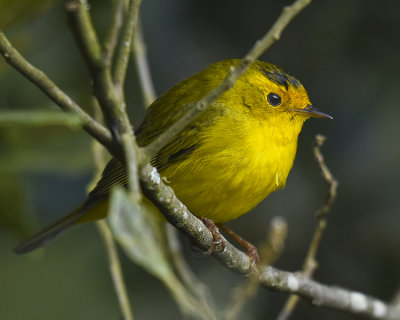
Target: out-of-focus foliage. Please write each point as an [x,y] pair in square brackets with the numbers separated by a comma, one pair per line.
[15,205]
[346,55]
[140,232]
[14,12]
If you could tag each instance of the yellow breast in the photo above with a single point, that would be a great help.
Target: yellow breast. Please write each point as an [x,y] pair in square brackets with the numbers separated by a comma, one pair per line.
[240,162]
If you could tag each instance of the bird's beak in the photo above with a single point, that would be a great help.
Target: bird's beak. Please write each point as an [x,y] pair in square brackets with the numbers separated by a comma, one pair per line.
[313,112]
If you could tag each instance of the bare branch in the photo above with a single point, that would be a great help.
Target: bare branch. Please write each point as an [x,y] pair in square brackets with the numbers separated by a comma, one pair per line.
[327,296]
[115,269]
[177,213]
[38,78]
[258,49]
[328,177]
[139,50]
[112,39]
[126,45]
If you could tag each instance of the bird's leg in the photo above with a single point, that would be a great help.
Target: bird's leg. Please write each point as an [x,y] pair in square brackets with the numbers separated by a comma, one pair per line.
[250,249]
[217,238]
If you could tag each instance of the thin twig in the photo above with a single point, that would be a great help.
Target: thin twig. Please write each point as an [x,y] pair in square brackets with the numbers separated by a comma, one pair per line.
[112,39]
[327,175]
[126,46]
[48,87]
[273,247]
[40,119]
[194,109]
[310,263]
[115,269]
[142,65]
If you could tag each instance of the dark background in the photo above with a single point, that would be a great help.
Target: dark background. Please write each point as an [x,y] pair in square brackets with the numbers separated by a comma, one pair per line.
[346,53]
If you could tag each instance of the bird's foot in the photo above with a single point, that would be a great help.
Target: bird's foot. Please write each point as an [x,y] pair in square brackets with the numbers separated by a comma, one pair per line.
[218,240]
[251,250]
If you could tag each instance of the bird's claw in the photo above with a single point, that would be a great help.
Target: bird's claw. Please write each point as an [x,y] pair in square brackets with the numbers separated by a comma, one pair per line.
[218,240]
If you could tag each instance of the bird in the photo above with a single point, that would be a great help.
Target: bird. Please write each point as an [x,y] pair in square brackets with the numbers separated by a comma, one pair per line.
[227,160]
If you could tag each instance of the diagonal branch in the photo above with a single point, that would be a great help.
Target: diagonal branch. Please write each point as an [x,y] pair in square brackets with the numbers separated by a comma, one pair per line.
[48,87]
[115,269]
[142,65]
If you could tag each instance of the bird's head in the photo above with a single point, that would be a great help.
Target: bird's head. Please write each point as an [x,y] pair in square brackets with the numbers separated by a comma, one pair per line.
[279,93]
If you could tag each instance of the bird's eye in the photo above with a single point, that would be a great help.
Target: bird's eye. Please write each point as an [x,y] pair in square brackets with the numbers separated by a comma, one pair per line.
[274,99]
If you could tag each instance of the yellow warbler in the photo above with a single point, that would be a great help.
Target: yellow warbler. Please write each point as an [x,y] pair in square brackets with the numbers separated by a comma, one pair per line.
[228,159]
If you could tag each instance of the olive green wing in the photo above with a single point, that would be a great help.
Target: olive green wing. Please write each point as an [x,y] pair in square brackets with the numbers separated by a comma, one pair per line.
[114,174]
[165,111]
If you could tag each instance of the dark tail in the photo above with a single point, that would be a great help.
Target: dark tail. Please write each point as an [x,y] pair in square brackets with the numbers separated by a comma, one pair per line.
[51,232]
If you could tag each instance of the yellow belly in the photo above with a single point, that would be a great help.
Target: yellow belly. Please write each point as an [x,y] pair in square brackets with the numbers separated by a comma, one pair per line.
[222,180]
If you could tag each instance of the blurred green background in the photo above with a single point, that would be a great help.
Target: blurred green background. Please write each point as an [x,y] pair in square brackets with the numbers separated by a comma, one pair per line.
[347,55]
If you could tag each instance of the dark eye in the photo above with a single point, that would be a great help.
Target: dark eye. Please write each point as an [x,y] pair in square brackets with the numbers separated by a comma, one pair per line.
[274,100]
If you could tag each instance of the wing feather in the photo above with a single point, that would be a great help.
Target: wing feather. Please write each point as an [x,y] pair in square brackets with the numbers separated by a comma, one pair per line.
[166,110]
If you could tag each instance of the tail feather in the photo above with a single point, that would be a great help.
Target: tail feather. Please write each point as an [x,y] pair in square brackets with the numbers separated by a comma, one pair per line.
[51,232]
